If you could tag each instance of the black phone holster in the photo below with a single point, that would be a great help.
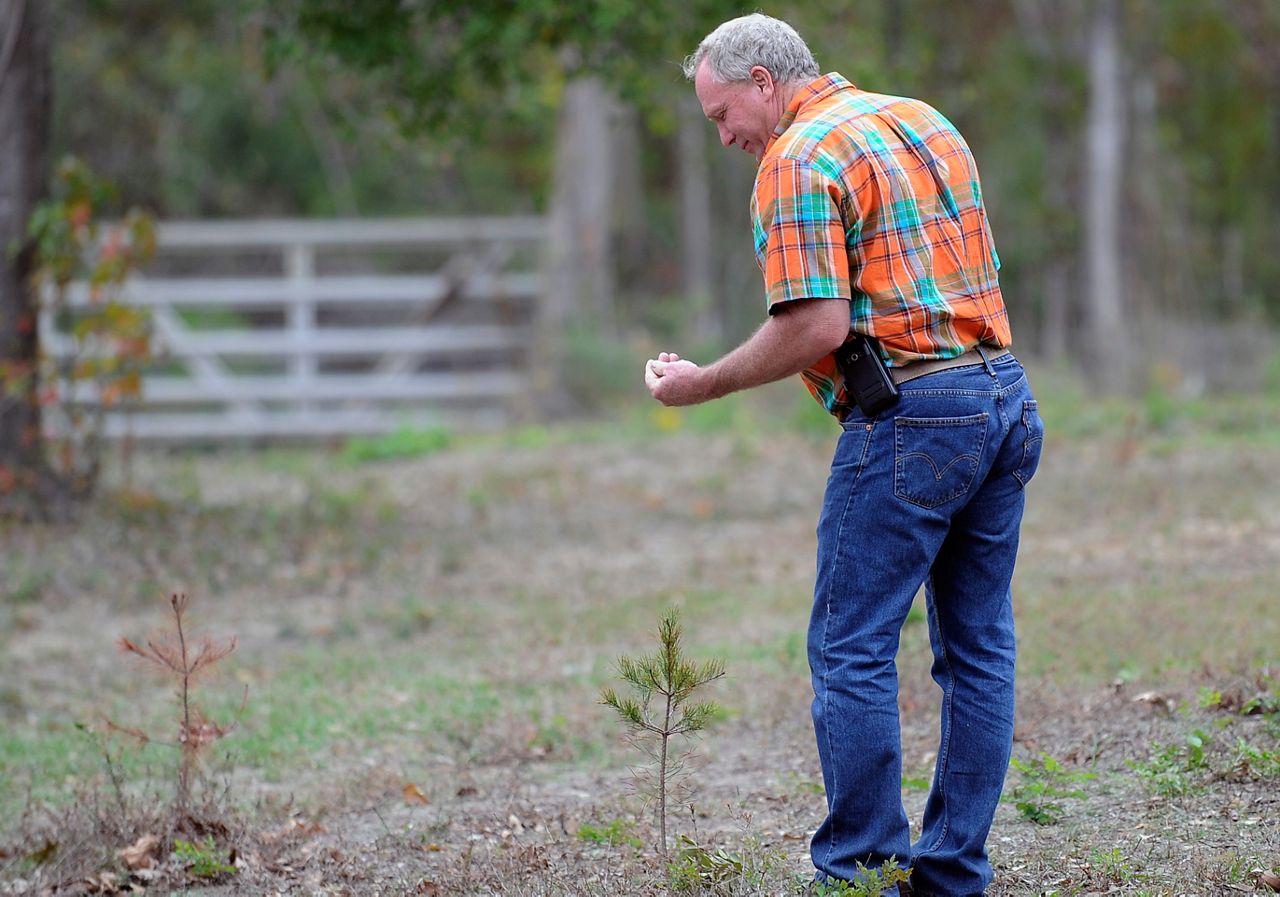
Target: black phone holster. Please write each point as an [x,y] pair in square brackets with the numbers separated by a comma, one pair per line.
[866,377]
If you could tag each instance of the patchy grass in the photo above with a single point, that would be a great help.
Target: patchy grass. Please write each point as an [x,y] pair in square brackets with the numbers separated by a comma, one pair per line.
[446,619]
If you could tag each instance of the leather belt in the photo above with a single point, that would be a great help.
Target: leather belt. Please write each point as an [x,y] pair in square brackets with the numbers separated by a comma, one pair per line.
[933,365]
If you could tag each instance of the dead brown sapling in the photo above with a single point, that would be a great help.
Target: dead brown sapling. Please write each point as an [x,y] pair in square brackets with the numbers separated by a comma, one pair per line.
[184,658]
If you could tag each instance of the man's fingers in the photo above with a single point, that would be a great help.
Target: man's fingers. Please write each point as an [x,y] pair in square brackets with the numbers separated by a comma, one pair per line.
[652,373]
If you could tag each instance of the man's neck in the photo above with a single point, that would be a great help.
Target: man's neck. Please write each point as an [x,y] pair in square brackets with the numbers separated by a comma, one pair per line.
[786,93]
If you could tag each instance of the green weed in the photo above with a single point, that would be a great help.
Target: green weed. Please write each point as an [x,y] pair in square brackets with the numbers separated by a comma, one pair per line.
[1043,784]
[1209,698]
[615,832]
[870,883]
[202,859]
[1267,704]
[1176,769]
[705,870]
[1255,762]
[1113,865]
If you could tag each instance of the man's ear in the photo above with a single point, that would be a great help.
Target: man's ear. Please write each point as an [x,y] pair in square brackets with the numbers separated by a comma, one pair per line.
[762,79]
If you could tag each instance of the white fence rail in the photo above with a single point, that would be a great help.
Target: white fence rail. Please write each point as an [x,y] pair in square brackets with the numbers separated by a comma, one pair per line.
[325,328]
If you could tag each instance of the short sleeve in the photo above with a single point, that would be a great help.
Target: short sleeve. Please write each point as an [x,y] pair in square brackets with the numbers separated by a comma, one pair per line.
[799,233]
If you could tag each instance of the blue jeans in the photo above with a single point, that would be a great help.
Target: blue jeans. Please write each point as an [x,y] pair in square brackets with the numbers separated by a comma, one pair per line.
[929,491]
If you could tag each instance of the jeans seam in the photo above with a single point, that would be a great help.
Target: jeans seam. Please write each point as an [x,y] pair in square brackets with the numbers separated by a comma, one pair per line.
[826,621]
[944,749]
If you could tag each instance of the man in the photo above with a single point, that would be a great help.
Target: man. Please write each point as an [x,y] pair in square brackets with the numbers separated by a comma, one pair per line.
[868,220]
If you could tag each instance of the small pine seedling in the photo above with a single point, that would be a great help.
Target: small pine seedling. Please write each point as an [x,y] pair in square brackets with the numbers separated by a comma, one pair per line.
[672,678]
[177,656]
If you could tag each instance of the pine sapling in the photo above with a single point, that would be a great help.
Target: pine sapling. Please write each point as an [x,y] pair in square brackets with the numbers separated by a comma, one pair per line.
[672,678]
[184,660]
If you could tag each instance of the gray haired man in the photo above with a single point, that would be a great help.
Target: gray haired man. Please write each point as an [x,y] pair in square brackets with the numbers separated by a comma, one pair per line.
[868,223]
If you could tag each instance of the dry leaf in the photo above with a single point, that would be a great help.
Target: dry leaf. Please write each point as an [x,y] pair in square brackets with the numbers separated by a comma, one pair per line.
[142,853]
[413,795]
[1270,879]
[1156,699]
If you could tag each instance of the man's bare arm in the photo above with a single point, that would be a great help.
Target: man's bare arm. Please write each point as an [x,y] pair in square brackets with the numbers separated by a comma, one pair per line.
[799,334]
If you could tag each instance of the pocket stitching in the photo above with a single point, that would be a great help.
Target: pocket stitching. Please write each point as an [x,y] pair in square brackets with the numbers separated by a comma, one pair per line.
[902,424]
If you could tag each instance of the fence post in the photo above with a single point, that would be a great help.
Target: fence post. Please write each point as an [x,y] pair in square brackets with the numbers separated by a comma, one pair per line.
[300,271]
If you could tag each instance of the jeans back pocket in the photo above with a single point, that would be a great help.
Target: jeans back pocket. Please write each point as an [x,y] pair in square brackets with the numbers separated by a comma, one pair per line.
[1033,439]
[936,459]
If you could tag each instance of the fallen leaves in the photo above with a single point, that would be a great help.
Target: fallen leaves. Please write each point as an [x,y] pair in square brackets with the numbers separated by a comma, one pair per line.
[1156,699]
[142,853]
[413,794]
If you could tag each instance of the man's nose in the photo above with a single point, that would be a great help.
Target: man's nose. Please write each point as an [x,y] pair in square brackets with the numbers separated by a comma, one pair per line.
[726,136]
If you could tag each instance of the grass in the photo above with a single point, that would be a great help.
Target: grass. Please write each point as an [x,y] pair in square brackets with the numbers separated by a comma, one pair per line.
[446,615]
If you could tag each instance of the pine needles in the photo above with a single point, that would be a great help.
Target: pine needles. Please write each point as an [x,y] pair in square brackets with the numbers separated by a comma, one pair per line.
[661,709]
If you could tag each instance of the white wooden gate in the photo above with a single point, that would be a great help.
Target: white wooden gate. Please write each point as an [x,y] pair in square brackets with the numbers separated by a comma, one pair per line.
[327,328]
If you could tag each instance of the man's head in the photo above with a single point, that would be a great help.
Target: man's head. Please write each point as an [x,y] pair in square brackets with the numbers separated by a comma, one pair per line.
[744,73]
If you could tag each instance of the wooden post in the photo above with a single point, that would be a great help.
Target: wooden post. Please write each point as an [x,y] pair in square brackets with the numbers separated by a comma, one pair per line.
[300,264]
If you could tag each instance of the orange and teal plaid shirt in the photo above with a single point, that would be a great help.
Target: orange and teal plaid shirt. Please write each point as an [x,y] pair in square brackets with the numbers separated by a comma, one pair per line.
[876,199]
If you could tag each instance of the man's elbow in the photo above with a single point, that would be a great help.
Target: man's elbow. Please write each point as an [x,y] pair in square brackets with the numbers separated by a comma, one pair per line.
[820,325]
[832,327]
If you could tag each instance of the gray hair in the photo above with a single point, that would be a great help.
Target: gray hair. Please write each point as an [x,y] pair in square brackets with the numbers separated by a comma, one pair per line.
[739,44]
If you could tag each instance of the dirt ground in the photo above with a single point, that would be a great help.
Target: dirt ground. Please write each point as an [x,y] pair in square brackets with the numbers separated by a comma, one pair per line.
[447,623]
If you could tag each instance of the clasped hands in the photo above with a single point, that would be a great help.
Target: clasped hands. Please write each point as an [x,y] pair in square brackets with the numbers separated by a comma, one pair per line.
[674,381]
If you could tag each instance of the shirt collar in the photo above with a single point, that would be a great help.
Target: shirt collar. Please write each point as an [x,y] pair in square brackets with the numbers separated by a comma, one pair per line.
[819,88]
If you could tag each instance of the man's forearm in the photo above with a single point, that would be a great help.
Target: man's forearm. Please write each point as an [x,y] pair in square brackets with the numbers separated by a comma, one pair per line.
[800,334]
[785,344]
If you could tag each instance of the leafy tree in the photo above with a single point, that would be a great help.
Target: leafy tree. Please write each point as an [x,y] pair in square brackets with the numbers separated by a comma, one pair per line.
[447,68]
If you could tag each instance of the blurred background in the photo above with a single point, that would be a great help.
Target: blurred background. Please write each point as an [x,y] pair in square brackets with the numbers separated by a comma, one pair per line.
[1127,148]
[331,315]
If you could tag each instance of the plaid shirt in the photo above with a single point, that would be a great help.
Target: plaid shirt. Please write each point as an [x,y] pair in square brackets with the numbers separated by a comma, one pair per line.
[876,199]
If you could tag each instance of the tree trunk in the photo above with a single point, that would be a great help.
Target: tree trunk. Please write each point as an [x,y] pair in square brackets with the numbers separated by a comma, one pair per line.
[24,130]
[1051,31]
[579,278]
[581,214]
[1110,347]
[696,236]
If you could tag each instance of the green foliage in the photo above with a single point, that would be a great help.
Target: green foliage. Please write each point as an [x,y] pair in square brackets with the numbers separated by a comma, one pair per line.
[1042,784]
[1176,769]
[672,679]
[870,882]
[1266,703]
[704,870]
[404,442]
[109,341]
[203,859]
[438,65]
[1209,698]
[1112,864]
[1254,762]
[617,831]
